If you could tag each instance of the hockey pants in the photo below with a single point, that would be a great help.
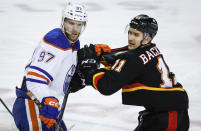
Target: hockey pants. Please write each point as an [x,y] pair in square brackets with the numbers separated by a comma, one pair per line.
[163,121]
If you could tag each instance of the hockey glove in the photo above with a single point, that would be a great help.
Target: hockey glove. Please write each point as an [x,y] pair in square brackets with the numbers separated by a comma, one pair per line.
[88,62]
[50,112]
[77,82]
[101,48]
[87,52]
[88,68]
[92,52]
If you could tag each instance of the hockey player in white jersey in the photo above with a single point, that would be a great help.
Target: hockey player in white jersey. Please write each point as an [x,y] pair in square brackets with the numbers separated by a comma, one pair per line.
[49,73]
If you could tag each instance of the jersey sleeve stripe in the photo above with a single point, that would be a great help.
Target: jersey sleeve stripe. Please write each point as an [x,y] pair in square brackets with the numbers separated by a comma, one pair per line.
[28,65]
[137,86]
[38,75]
[152,89]
[43,71]
[55,45]
[36,81]
[96,77]
[119,49]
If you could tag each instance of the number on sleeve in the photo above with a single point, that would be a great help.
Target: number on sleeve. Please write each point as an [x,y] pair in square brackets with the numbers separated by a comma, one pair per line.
[42,56]
[45,56]
[51,56]
[163,69]
[120,64]
[115,64]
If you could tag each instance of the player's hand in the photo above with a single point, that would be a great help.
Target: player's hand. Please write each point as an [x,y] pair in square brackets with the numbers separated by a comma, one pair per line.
[92,52]
[100,48]
[50,112]
[88,64]
[87,52]
[88,68]
[77,82]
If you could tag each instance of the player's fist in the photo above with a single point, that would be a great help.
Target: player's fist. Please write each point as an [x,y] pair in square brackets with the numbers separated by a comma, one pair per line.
[88,64]
[77,82]
[50,112]
[100,48]
[88,68]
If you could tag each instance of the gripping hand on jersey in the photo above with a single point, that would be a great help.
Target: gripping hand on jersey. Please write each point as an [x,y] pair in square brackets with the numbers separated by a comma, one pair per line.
[88,63]
[50,112]
[101,48]
[94,51]
[89,67]
[77,82]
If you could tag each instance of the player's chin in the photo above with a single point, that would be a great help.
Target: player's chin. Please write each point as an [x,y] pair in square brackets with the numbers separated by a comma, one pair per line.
[74,37]
[131,46]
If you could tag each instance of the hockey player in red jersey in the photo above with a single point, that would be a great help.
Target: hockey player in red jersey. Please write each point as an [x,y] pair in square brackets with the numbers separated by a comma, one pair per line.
[140,70]
[49,73]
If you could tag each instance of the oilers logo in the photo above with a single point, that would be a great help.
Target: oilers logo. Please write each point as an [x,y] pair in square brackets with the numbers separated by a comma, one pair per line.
[68,78]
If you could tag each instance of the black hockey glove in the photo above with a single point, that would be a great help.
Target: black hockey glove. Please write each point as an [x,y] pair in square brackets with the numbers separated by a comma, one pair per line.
[77,82]
[89,60]
[88,63]
[87,52]
[88,68]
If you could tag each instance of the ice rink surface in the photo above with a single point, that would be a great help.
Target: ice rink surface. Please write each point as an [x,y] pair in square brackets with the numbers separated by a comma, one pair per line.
[24,22]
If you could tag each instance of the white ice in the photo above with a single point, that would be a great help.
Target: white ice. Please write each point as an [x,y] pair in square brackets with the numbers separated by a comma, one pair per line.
[24,22]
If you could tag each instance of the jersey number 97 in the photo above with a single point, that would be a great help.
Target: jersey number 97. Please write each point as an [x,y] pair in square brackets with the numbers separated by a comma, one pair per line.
[45,56]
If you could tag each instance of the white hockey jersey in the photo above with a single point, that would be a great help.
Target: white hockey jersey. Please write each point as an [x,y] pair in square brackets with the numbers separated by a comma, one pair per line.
[52,65]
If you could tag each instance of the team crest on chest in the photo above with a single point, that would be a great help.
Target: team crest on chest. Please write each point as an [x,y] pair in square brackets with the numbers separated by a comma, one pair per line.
[68,78]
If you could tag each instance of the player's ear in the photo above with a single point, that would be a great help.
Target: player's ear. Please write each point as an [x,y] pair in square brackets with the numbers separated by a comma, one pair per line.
[147,40]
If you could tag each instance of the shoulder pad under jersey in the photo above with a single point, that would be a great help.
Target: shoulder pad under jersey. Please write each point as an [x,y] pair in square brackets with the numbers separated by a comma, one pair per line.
[57,39]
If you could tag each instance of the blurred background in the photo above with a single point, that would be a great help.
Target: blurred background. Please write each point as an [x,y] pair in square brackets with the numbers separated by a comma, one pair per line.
[23,23]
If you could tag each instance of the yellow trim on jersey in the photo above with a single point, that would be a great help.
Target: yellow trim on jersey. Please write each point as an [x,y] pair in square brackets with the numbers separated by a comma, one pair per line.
[152,89]
[95,76]
[107,68]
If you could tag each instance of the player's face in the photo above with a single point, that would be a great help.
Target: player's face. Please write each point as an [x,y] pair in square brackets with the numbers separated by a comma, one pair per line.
[73,29]
[134,38]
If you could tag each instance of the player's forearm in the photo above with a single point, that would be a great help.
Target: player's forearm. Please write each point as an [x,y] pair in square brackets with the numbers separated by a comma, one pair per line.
[40,90]
[105,83]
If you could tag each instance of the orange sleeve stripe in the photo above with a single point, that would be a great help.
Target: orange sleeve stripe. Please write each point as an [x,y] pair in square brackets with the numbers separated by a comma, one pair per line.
[33,115]
[96,77]
[38,75]
[55,45]
[138,86]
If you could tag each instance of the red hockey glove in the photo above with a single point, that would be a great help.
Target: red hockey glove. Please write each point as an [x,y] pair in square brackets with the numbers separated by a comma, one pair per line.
[50,112]
[100,48]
